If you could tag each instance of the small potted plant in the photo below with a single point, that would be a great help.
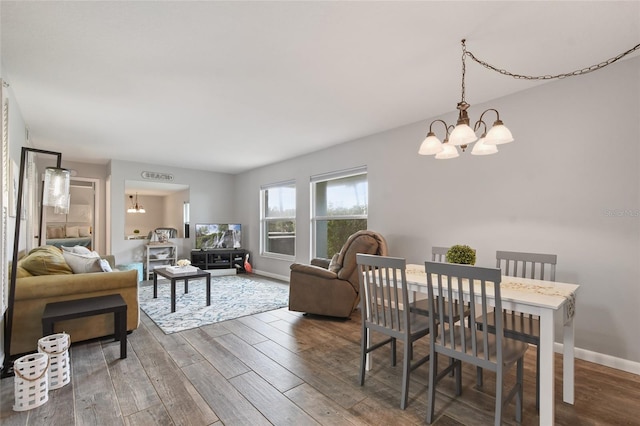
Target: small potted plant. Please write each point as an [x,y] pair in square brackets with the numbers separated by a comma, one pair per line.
[461,254]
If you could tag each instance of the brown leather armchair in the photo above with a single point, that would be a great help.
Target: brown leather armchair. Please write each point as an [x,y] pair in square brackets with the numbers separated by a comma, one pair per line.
[331,287]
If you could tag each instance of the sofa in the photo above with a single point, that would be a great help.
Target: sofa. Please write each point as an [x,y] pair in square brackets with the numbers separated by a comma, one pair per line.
[332,287]
[44,276]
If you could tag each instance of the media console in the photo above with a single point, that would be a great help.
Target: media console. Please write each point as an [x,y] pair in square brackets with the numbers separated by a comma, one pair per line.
[219,259]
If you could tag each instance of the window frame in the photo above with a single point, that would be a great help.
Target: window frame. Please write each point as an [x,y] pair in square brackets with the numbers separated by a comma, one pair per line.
[264,220]
[325,177]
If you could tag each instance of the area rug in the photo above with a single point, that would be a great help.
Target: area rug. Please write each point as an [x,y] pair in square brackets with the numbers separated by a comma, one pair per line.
[231,297]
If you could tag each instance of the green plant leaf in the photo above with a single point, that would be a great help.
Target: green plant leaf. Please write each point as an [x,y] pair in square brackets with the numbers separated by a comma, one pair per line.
[461,254]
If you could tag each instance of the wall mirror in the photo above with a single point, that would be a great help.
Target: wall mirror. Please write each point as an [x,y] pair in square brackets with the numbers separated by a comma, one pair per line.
[163,205]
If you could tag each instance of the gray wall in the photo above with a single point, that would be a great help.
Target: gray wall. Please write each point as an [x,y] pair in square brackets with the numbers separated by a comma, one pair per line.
[211,196]
[558,189]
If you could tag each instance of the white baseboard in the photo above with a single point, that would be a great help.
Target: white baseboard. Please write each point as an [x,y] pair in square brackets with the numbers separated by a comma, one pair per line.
[270,275]
[604,359]
[219,272]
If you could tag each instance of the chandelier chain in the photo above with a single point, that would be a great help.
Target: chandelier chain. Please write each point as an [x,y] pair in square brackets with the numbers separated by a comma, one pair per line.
[464,67]
[577,72]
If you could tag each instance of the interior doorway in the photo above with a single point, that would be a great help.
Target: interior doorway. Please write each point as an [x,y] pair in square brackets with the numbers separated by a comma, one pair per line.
[79,225]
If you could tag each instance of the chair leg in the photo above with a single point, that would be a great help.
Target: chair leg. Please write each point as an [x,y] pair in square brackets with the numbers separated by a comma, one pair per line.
[458,373]
[520,391]
[479,377]
[393,352]
[363,353]
[431,394]
[538,378]
[406,371]
[499,397]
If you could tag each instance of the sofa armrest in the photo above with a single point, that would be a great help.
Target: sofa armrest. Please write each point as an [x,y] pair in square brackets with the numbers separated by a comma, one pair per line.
[321,262]
[316,271]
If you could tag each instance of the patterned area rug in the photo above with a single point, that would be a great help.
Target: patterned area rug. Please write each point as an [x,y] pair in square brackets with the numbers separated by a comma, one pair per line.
[231,297]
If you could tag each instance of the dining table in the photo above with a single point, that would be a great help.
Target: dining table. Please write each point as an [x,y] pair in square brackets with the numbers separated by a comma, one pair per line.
[551,301]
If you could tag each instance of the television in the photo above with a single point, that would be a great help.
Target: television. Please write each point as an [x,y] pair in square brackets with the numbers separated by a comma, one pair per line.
[211,236]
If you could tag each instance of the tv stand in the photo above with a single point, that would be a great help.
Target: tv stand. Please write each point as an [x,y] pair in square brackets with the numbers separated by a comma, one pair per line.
[219,259]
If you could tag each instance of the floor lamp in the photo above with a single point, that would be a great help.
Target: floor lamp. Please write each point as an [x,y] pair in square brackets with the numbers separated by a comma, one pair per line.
[55,193]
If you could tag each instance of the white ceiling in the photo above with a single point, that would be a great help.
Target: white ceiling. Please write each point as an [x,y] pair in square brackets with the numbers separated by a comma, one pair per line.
[230,86]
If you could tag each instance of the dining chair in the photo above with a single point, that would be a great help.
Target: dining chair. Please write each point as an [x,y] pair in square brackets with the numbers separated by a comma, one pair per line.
[518,325]
[384,302]
[464,342]
[439,254]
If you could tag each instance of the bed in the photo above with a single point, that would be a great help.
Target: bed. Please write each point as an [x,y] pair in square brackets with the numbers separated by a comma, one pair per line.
[70,242]
[69,235]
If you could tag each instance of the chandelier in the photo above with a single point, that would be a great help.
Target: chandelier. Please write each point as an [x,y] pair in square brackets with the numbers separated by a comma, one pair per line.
[135,207]
[462,134]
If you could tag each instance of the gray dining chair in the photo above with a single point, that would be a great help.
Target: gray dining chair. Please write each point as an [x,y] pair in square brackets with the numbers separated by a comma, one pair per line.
[384,299]
[516,324]
[439,254]
[469,343]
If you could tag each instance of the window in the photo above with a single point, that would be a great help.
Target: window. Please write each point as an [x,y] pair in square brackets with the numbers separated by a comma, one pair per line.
[278,221]
[340,209]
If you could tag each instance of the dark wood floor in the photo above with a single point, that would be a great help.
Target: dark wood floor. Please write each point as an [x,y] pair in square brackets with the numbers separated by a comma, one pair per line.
[284,368]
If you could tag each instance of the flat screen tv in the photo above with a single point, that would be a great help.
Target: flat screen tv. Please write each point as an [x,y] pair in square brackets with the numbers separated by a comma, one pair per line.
[210,236]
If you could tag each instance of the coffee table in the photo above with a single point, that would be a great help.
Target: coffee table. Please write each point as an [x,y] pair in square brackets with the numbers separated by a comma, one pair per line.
[173,277]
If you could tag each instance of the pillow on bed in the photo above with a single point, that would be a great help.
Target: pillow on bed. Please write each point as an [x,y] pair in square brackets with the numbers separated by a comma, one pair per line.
[84,231]
[79,250]
[55,231]
[72,232]
[82,263]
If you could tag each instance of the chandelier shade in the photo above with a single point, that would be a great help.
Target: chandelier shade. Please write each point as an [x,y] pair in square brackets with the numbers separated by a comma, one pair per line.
[498,134]
[431,145]
[448,151]
[462,135]
[482,148]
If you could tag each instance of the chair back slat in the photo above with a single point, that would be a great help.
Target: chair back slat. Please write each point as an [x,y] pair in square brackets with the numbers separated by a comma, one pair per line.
[466,339]
[516,264]
[383,287]
[439,254]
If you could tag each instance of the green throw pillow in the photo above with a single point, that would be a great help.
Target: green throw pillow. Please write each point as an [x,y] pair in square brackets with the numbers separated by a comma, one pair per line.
[45,260]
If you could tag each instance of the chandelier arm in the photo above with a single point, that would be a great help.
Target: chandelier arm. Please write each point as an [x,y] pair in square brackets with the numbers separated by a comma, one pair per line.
[487,110]
[446,127]
[574,73]
[481,122]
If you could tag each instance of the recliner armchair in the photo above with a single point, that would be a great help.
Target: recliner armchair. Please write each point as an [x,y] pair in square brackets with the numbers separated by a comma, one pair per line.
[331,287]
